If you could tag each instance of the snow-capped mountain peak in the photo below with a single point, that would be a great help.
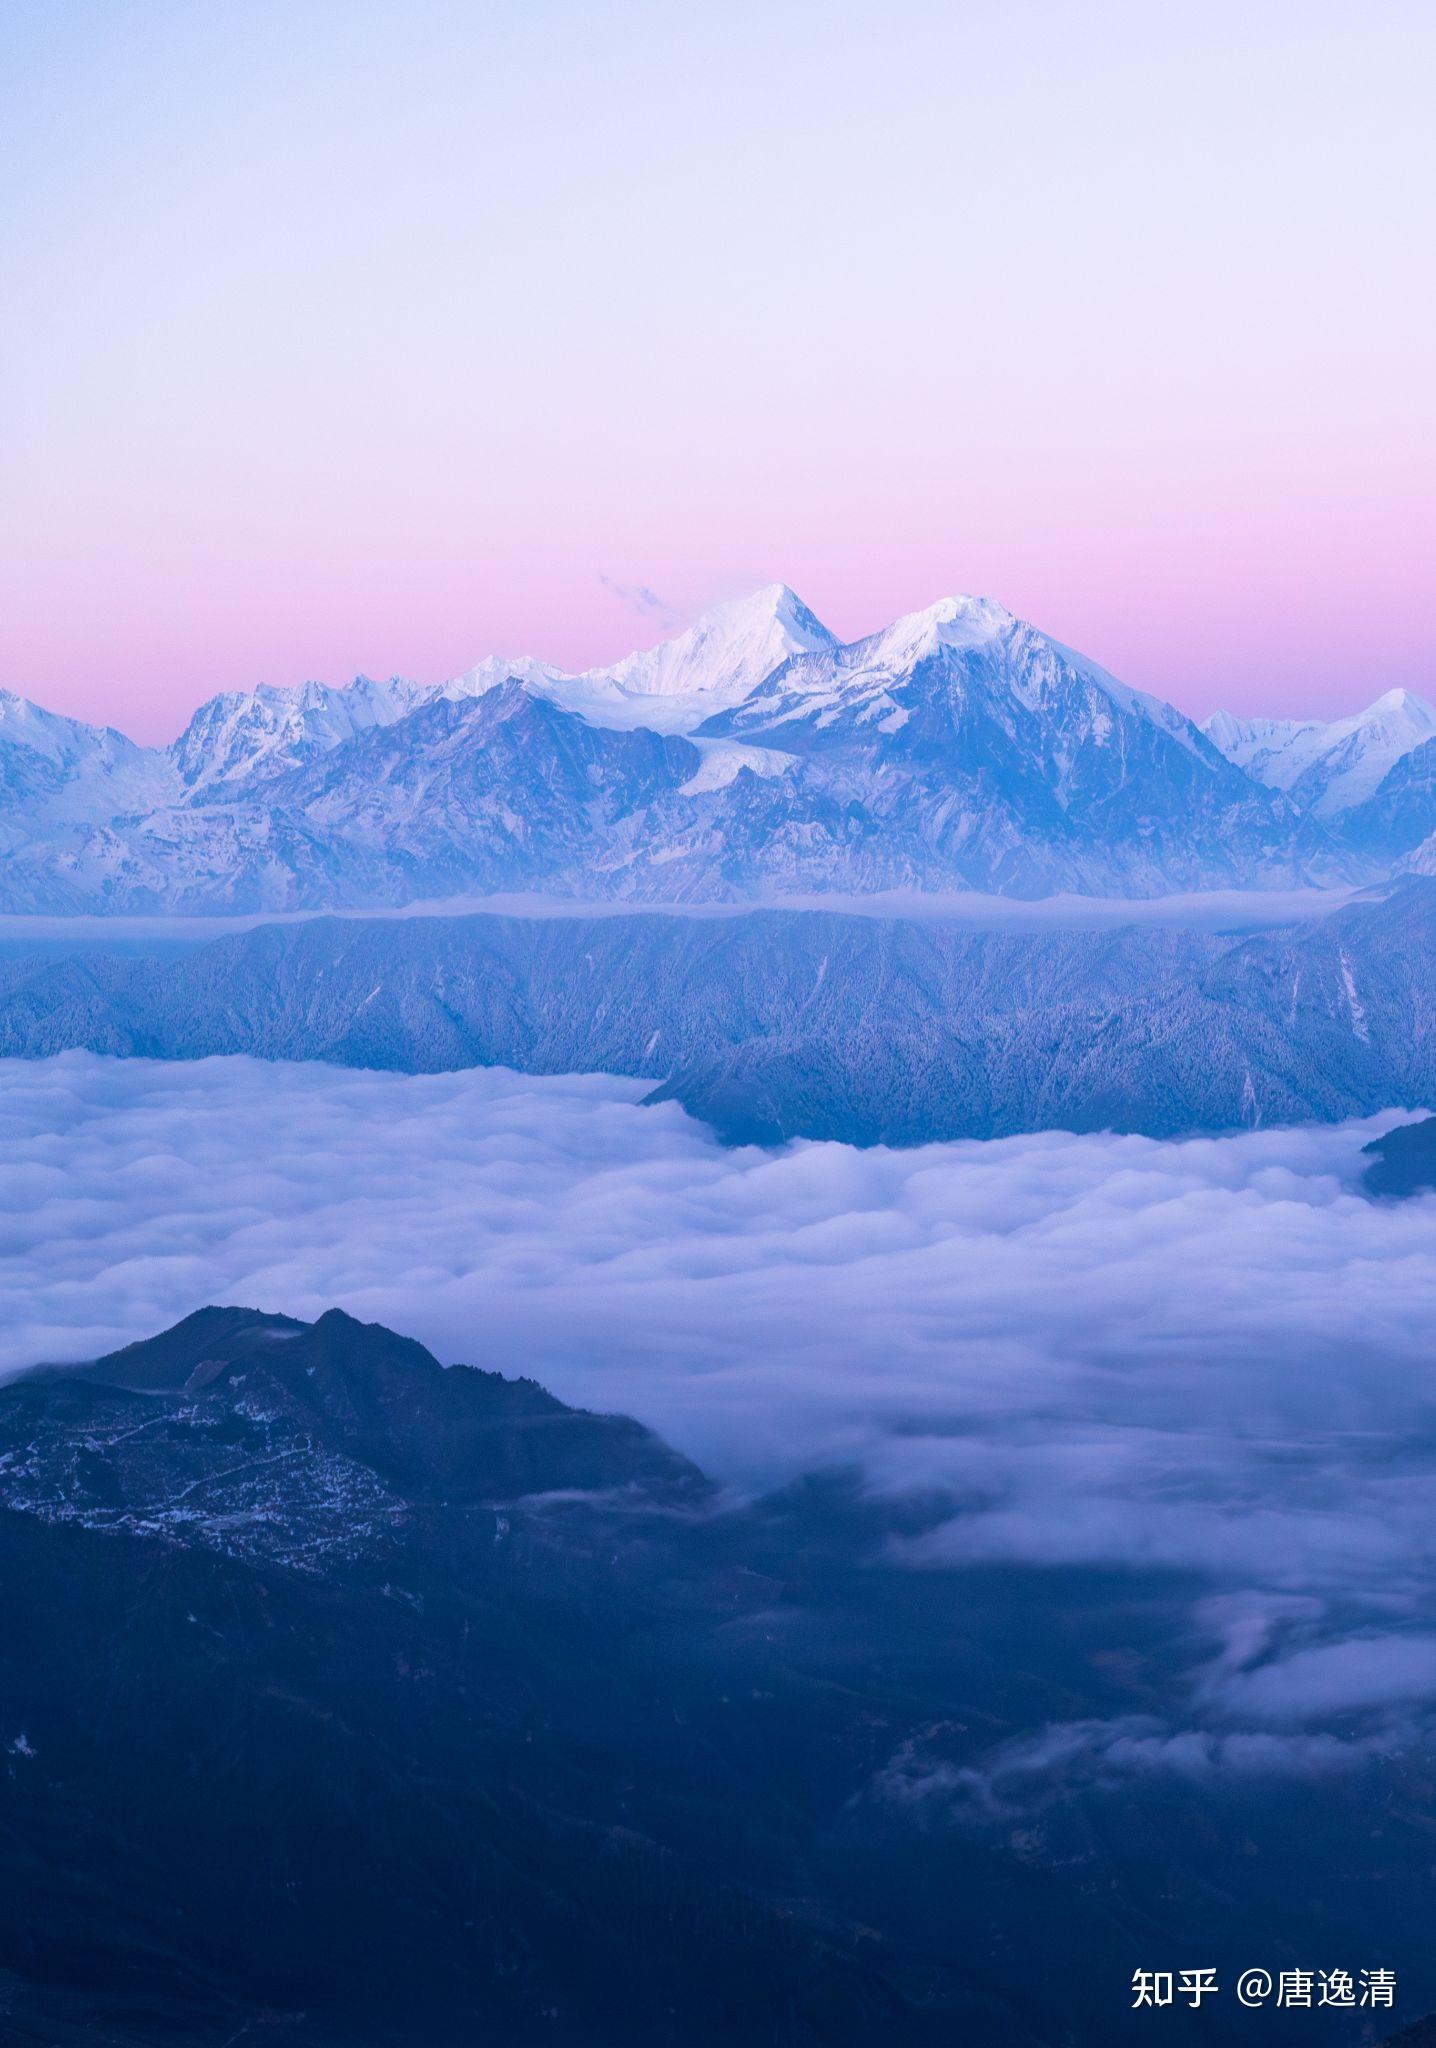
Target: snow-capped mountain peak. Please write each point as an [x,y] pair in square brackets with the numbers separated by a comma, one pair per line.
[539,676]
[723,655]
[958,650]
[959,746]
[1327,768]
[69,772]
[953,622]
[716,662]
[238,732]
[50,734]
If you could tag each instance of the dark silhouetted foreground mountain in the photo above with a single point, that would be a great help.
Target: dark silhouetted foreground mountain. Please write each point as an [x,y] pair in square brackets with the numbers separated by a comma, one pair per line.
[774,1024]
[351,1702]
[1404,1161]
[1422,2035]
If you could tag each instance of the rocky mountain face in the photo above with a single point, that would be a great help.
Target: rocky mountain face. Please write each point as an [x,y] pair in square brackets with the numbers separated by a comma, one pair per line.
[58,773]
[969,734]
[774,1024]
[673,687]
[1327,769]
[349,1701]
[1399,817]
[244,736]
[752,755]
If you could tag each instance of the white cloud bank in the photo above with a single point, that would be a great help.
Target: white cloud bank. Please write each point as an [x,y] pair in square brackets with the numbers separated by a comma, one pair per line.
[1084,1299]
[1212,1356]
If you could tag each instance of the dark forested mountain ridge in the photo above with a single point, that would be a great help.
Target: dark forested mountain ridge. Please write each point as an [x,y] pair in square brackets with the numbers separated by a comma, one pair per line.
[775,1024]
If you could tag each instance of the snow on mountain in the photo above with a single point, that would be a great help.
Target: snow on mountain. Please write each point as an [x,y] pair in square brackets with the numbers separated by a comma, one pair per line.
[857,679]
[540,677]
[1393,824]
[1273,750]
[1423,860]
[60,769]
[961,658]
[1327,768]
[959,747]
[985,747]
[722,761]
[721,658]
[62,742]
[238,733]
[953,622]
[672,687]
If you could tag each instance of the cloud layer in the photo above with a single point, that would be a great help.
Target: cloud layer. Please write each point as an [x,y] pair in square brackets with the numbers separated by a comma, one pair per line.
[1209,1358]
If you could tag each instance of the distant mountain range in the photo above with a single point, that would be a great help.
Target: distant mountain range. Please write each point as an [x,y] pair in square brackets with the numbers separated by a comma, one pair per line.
[753,755]
[775,1024]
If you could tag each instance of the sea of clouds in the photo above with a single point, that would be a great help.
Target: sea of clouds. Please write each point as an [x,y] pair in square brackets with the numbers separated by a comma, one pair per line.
[1211,1358]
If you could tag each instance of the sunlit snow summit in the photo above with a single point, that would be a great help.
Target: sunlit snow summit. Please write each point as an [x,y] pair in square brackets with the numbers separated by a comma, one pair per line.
[752,756]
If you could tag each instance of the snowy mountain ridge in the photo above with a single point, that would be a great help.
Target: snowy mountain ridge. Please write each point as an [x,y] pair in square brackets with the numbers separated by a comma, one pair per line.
[752,754]
[1327,768]
[672,687]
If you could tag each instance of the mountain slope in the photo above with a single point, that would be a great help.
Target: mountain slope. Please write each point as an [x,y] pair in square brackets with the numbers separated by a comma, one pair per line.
[311,1435]
[58,771]
[817,1024]
[1398,819]
[349,1700]
[751,755]
[1327,769]
[242,735]
[1005,753]
[316,1734]
[672,687]
[1403,1162]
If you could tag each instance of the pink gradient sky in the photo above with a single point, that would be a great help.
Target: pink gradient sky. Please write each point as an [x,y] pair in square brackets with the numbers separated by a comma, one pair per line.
[368,337]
